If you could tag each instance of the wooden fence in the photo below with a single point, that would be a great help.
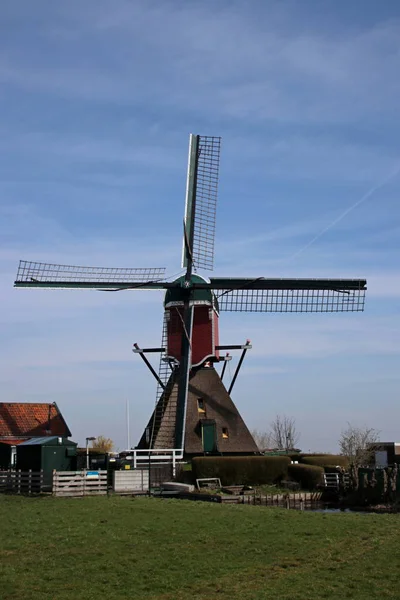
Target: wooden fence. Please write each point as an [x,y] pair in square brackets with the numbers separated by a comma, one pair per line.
[22,482]
[79,483]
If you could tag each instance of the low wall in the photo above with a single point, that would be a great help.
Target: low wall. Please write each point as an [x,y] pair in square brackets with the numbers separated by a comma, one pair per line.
[136,480]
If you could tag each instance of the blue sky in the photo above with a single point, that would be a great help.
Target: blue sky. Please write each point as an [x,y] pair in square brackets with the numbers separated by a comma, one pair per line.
[97,100]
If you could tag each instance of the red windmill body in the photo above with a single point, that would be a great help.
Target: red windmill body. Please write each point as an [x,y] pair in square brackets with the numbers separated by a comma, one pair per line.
[205,327]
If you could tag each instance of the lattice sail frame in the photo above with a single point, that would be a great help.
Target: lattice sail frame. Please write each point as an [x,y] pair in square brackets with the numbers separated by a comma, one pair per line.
[165,374]
[29,272]
[201,199]
[296,301]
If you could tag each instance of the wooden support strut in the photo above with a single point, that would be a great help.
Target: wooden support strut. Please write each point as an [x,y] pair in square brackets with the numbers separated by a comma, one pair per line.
[226,358]
[246,347]
[229,347]
[139,351]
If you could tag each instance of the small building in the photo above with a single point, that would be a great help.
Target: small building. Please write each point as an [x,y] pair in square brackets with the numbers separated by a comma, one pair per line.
[22,421]
[47,454]
[385,454]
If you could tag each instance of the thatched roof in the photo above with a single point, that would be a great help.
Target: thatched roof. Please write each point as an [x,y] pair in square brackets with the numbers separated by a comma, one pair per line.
[232,435]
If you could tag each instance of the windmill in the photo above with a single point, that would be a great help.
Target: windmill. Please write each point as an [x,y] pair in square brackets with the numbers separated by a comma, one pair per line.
[194,412]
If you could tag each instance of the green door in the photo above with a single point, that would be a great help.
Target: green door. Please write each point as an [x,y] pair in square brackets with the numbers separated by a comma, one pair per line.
[208,436]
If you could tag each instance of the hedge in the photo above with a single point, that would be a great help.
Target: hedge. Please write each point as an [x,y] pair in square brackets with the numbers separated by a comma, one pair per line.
[308,476]
[325,460]
[303,454]
[246,470]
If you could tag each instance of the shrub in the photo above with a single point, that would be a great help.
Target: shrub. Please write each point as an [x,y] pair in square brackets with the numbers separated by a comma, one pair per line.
[308,476]
[246,470]
[302,454]
[184,473]
[295,455]
[325,460]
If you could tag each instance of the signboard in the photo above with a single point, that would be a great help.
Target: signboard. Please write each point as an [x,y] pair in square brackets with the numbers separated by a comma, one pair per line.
[92,474]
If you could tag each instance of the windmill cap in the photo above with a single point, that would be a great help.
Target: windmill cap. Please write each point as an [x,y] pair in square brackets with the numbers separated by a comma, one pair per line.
[174,296]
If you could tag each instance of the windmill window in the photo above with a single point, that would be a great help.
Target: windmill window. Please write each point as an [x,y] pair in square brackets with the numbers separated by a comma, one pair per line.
[225,433]
[200,406]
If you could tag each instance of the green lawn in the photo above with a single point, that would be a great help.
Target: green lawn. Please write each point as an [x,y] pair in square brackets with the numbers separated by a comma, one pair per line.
[123,548]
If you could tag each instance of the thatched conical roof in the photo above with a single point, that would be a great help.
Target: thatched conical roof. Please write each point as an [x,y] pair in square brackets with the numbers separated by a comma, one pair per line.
[208,401]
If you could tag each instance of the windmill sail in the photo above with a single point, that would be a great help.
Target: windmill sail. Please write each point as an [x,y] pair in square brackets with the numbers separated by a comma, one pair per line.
[289,295]
[163,422]
[38,274]
[201,201]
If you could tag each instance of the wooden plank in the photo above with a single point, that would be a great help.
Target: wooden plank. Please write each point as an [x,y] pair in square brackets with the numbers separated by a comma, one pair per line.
[95,483]
[69,495]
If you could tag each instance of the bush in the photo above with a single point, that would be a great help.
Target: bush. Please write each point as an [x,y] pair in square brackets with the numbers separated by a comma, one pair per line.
[295,455]
[246,470]
[308,476]
[184,473]
[303,454]
[325,460]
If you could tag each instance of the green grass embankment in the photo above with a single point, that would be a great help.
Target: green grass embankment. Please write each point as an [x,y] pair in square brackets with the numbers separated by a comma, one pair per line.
[122,548]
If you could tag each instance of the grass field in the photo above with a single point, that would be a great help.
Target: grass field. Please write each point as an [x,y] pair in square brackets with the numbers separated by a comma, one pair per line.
[119,548]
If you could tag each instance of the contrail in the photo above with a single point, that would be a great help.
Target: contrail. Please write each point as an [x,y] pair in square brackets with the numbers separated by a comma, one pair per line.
[346,212]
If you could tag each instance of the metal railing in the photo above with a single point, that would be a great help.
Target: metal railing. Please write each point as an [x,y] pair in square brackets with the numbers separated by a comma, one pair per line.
[155,456]
[332,480]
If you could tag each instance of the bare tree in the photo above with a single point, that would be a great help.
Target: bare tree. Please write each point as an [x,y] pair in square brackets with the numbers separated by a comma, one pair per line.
[283,433]
[263,439]
[102,444]
[355,443]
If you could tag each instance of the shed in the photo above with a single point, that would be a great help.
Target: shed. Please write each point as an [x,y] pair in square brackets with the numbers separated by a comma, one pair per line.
[8,453]
[48,454]
[385,453]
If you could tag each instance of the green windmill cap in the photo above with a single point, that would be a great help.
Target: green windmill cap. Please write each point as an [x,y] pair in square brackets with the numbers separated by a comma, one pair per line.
[176,294]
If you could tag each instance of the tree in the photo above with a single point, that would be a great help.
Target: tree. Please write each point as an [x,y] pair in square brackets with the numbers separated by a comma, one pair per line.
[102,444]
[263,439]
[355,443]
[283,433]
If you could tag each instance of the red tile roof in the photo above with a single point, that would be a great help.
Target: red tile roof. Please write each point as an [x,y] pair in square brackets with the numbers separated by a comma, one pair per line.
[28,419]
[12,441]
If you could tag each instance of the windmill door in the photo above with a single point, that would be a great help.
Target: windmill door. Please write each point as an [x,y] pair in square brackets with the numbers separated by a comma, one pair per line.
[208,435]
